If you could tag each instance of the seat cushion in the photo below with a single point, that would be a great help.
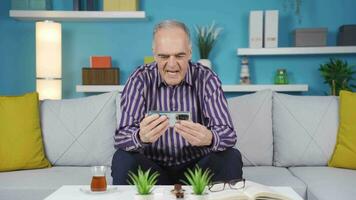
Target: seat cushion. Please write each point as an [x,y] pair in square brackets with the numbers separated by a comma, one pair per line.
[304,129]
[37,184]
[274,176]
[80,132]
[252,118]
[326,183]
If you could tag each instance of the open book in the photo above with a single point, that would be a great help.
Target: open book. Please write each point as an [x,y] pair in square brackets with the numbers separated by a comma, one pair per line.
[252,191]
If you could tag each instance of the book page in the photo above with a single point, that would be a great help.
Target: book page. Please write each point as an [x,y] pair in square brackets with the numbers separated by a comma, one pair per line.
[228,195]
[261,192]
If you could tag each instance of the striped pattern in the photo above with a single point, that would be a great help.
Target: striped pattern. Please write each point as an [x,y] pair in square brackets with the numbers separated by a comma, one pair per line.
[200,93]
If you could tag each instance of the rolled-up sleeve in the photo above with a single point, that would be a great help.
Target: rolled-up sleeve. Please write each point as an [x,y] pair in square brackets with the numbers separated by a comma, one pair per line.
[132,112]
[217,115]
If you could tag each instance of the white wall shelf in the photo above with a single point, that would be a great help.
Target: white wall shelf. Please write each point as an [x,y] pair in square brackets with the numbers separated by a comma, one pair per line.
[37,15]
[226,88]
[99,88]
[296,51]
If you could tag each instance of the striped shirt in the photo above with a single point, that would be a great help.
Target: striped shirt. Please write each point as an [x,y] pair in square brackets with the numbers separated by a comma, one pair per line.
[200,93]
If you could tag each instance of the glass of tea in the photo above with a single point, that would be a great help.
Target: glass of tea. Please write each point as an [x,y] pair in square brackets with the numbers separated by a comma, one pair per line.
[98,181]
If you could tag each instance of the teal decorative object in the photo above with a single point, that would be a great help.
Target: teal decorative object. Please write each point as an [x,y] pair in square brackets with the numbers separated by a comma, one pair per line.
[20,4]
[31,4]
[281,77]
[40,4]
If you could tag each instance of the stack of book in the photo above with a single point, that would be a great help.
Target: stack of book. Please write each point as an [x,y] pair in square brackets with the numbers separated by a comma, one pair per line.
[90,5]
[100,72]
[31,5]
[120,5]
[263,29]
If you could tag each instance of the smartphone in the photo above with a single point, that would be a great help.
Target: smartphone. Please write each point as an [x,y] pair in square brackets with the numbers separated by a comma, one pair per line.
[173,116]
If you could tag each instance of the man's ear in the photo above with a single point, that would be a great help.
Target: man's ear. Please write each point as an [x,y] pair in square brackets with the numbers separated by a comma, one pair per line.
[190,52]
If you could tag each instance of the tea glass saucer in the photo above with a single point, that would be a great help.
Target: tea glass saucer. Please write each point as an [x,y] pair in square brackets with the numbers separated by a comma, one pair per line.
[109,189]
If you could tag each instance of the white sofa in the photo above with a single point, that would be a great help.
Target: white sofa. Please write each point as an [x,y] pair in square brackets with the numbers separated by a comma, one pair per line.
[285,140]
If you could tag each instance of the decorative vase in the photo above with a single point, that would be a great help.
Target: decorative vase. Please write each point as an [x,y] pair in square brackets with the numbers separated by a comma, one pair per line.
[281,77]
[144,197]
[244,73]
[198,197]
[205,62]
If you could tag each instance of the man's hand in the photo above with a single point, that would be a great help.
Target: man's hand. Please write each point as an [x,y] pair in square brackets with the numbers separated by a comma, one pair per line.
[152,127]
[195,133]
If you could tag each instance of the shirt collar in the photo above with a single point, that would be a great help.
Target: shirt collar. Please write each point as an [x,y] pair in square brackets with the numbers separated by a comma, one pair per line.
[187,79]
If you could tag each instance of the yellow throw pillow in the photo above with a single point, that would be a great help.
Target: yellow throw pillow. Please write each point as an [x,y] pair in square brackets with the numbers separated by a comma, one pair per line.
[21,145]
[344,155]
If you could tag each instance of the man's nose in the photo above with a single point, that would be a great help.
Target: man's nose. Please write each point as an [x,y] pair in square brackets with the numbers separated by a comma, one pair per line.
[172,61]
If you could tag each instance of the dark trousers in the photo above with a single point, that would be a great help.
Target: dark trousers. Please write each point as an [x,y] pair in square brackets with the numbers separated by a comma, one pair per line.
[225,165]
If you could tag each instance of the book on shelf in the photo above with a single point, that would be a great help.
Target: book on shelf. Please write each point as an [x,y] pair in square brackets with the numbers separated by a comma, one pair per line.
[129,5]
[256,29]
[120,5]
[252,191]
[111,5]
[271,29]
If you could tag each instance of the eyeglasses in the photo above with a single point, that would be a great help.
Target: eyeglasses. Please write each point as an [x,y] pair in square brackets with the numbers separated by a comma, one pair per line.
[235,184]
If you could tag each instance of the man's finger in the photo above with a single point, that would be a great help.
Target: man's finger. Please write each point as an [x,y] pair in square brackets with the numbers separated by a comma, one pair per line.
[160,133]
[190,138]
[189,130]
[191,125]
[157,121]
[158,130]
[148,119]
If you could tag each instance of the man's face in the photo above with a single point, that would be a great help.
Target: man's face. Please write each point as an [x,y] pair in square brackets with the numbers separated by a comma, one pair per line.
[172,52]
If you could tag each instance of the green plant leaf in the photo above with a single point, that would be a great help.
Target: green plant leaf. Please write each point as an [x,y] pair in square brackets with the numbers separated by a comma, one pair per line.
[198,179]
[206,38]
[337,74]
[143,180]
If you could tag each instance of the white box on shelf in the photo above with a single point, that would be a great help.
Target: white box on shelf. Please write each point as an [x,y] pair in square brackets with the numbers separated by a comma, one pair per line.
[256,29]
[271,29]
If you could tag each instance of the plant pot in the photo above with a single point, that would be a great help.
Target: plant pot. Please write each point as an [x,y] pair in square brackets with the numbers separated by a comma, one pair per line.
[205,62]
[144,197]
[198,197]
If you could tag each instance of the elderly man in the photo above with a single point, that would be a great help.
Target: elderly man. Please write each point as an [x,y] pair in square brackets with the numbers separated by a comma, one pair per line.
[174,83]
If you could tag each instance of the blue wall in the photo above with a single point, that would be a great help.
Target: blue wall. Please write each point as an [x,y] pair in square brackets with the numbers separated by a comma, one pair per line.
[129,41]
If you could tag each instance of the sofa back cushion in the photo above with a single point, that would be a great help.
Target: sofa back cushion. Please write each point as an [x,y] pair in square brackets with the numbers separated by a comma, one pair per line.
[304,129]
[252,118]
[79,132]
[21,145]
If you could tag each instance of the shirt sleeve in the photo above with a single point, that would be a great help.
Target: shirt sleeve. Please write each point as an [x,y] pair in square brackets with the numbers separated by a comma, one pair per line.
[217,115]
[132,112]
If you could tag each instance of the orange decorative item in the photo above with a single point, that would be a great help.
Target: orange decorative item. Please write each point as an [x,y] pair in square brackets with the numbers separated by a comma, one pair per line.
[100,61]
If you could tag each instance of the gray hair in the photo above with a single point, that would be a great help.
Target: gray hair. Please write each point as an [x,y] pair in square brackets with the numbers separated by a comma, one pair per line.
[167,24]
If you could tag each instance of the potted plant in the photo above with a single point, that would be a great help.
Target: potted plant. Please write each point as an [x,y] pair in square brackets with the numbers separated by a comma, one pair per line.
[198,179]
[144,182]
[206,39]
[337,74]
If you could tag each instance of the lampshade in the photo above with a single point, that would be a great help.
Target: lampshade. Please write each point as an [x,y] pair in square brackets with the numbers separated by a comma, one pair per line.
[49,60]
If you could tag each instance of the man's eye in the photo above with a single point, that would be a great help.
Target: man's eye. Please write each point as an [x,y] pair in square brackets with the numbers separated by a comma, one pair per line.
[163,57]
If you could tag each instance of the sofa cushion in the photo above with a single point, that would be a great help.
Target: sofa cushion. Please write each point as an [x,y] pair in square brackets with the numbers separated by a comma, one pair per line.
[275,176]
[80,131]
[304,129]
[252,119]
[326,183]
[344,155]
[21,145]
[37,184]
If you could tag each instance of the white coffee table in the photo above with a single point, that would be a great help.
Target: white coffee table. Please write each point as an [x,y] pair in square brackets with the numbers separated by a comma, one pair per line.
[77,192]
